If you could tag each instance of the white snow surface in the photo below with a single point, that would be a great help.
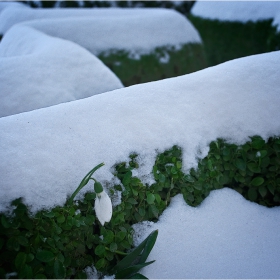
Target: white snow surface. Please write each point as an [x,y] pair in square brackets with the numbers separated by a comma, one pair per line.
[37,70]
[226,237]
[242,11]
[99,30]
[45,153]
[11,4]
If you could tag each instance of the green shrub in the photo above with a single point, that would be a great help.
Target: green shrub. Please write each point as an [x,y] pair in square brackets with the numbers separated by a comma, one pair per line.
[147,68]
[225,40]
[61,242]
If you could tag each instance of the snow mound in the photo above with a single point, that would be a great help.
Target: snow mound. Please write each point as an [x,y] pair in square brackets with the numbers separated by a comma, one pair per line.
[37,70]
[48,151]
[10,4]
[100,30]
[225,237]
[237,10]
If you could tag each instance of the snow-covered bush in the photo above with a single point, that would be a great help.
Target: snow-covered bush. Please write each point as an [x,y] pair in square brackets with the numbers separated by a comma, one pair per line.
[37,71]
[64,241]
[233,29]
[139,45]
[45,152]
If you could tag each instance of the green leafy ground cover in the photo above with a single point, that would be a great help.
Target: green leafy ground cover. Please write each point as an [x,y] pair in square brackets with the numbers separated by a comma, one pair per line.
[61,242]
[225,40]
[147,68]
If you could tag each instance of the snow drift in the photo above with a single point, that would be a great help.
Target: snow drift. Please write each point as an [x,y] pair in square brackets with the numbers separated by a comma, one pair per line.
[242,11]
[98,30]
[46,152]
[37,70]
[226,237]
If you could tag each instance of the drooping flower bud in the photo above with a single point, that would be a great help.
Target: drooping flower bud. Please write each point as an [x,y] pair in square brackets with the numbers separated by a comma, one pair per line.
[98,187]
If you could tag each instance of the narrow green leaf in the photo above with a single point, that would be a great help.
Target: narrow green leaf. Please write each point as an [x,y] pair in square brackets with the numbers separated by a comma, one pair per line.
[138,276]
[151,240]
[131,258]
[128,272]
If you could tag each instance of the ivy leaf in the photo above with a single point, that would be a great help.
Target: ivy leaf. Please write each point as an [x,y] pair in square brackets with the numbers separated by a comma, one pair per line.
[60,219]
[127,177]
[150,198]
[45,256]
[252,194]
[257,143]
[20,260]
[271,188]
[99,250]
[59,270]
[161,178]
[263,191]
[240,164]
[113,247]
[252,166]
[257,181]
[131,200]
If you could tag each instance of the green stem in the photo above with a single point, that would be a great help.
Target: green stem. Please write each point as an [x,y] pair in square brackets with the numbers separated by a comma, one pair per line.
[84,182]
[118,252]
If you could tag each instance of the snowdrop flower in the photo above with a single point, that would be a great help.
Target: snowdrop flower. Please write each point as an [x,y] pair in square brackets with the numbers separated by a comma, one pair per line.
[103,207]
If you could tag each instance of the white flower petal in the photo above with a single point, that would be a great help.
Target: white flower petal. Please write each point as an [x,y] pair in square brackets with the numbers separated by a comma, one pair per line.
[103,208]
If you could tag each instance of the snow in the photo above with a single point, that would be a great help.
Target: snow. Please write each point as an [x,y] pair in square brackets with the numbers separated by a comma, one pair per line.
[37,70]
[225,237]
[48,151]
[101,30]
[5,5]
[242,11]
